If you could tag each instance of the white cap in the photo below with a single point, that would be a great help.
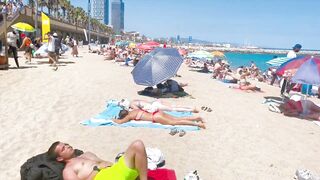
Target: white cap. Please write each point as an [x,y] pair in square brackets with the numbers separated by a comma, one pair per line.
[55,34]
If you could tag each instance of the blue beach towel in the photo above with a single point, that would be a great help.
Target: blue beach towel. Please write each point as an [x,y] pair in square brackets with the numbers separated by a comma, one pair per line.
[112,110]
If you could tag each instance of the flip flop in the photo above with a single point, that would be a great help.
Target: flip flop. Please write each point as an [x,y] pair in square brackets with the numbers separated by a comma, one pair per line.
[204,108]
[207,109]
[173,131]
[182,133]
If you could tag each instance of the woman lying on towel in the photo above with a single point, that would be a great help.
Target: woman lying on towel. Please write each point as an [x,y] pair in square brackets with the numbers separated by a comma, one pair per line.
[154,106]
[305,109]
[158,117]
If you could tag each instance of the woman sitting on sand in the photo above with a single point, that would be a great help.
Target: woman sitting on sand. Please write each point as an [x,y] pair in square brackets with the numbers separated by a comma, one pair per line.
[152,106]
[305,109]
[158,117]
[244,84]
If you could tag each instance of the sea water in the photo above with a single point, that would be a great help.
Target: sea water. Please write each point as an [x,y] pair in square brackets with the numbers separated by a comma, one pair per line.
[243,59]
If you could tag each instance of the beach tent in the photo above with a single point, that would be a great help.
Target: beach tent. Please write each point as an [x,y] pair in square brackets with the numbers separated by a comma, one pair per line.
[43,50]
[201,55]
[278,61]
[157,66]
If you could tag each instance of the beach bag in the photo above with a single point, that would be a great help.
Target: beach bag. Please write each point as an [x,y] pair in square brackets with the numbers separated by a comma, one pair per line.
[40,167]
[155,158]
[162,174]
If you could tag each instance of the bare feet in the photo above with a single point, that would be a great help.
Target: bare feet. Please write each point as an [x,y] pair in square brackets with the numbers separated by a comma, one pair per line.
[201,125]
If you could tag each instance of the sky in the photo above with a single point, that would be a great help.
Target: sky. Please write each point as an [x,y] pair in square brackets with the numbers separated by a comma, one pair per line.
[264,23]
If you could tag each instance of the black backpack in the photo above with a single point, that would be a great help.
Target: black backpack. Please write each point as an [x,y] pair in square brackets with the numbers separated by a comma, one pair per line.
[40,167]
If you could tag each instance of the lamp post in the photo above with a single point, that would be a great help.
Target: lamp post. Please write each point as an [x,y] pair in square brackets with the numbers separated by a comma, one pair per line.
[89,19]
[5,40]
[36,17]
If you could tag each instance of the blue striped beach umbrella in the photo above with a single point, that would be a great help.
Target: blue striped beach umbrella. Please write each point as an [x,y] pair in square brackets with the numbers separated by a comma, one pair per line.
[277,61]
[157,66]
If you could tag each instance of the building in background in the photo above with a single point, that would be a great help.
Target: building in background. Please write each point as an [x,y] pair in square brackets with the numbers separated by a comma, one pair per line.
[100,10]
[117,16]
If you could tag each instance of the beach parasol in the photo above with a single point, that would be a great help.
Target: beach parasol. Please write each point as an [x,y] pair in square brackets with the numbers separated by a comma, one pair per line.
[218,54]
[201,55]
[132,45]
[153,43]
[308,72]
[157,66]
[24,27]
[145,47]
[278,61]
[292,64]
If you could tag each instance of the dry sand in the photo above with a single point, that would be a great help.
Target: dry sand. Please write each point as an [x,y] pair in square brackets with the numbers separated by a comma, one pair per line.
[243,139]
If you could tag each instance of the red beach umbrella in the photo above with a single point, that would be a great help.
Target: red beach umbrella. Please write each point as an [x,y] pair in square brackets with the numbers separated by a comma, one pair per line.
[292,64]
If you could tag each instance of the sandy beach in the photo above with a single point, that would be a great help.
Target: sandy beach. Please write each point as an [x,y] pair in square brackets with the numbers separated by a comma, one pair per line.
[243,139]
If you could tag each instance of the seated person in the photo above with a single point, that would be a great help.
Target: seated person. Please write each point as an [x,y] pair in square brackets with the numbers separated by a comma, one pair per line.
[304,108]
[132,165]
[158,117]
[174,86]
[244,84]
[204,69]
[154,106]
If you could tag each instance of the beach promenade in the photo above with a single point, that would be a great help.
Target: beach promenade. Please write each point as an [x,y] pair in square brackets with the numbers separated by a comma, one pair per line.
[243,139]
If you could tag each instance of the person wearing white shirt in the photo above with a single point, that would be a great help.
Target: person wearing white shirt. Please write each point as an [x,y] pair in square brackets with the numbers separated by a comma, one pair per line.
[286,86]
[51,51]
[295,49]
[12,39]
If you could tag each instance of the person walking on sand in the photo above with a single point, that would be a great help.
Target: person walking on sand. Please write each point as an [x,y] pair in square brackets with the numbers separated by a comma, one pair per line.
[12,39]
[26,44]
[74,51]
[51,51]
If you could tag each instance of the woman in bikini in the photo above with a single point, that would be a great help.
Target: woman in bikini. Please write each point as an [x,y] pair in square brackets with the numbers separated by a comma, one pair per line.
[158,117]
[304,109]
[154,106]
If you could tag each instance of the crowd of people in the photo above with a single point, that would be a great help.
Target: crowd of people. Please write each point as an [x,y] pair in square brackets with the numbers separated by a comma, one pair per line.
[11,7]
[53,48]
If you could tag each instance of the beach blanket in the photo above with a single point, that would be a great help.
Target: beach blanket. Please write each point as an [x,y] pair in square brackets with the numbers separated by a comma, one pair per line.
[112,111]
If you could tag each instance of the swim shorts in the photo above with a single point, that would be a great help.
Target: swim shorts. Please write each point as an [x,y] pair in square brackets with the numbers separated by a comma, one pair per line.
[118,171]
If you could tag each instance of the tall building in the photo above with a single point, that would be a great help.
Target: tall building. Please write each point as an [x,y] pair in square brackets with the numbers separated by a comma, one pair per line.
[100,10]
[117,16]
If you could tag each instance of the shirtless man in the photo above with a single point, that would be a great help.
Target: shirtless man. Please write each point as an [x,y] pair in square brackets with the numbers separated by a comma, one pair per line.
[88,166]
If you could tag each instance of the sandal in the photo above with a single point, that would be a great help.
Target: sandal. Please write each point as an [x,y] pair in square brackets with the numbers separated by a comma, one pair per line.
[173,131]
[205,108]
[182,133]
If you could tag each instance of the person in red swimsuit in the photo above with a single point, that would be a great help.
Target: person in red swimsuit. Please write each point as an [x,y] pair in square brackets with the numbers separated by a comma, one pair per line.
[305,109]
[158,117]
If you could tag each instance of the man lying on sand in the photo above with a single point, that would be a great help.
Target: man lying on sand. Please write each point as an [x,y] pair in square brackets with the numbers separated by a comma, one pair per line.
[132,165]
[158,117]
